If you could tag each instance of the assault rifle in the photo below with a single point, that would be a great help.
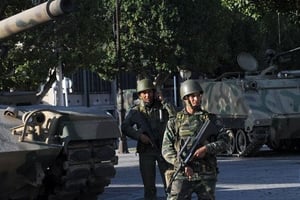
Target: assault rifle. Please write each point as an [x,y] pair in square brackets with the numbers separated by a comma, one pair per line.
[139,119]
[186,153]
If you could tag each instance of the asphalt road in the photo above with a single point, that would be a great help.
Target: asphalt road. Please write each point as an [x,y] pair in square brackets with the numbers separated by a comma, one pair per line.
[268,176]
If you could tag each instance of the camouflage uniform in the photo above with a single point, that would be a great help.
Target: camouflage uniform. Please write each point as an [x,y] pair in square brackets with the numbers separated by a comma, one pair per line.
[149,119]
[203,181]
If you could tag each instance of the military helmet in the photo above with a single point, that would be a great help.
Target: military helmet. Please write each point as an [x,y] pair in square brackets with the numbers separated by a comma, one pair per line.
[144,84]
[189,87]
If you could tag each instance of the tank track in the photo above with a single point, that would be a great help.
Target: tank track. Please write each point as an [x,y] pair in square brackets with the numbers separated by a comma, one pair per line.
[82,170]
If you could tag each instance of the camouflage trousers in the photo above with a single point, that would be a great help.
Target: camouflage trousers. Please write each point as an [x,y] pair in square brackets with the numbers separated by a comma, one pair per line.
[182,189]
[147,162]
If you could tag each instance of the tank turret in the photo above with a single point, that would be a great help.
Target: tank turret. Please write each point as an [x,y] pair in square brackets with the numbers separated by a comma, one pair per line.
[37,15]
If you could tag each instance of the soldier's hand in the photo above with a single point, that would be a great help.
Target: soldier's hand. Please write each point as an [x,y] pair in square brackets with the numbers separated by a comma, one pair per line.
[188,172]
[159,96]
[145,139]
[200,152]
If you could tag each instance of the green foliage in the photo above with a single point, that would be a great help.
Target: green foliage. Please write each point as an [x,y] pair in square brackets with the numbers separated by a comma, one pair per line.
[244,6]
[257,9]
[156,37]
[201,34]
[76,39]
[159,36]
[261,25]
[147,35]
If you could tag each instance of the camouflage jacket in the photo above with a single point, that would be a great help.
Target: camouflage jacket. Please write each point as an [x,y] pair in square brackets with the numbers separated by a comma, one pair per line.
[183,126]
[150,120]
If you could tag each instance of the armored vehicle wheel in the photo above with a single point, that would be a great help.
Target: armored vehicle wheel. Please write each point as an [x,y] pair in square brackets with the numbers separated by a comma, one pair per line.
[232,148]
[242,141]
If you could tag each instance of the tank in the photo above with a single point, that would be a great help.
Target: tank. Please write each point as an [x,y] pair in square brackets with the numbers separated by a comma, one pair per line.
[258,107]
[52,152]
[56,153]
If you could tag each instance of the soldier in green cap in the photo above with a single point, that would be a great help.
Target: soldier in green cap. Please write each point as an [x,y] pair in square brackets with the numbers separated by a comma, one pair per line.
[200,174]
[146,122]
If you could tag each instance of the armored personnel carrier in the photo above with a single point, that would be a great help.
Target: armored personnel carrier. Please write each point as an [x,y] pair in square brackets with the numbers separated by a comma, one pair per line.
[259,107]
[52,152]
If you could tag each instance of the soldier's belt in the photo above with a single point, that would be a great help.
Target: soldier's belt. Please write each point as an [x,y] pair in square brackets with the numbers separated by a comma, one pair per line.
[201,168]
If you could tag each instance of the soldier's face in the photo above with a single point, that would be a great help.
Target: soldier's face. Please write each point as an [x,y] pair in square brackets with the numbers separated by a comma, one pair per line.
[194,99]
[147,96]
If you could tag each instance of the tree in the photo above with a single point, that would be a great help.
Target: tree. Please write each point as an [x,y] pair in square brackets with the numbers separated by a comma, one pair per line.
[256,8]
[159,36]
[273,24]
[146,40]
[201,34]
[76,39]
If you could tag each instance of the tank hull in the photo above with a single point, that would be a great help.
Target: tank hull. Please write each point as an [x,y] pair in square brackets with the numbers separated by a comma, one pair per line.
[56,154]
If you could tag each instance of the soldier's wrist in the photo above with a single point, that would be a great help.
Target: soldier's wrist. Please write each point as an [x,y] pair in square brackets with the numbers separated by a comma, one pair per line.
[207,148]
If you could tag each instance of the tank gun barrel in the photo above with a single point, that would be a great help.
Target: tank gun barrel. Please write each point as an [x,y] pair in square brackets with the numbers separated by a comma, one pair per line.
[37,15]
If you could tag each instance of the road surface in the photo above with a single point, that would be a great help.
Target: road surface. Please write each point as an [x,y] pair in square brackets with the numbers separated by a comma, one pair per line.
[266,177]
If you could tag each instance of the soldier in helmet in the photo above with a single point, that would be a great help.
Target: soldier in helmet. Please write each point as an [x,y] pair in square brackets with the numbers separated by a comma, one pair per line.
[146,122]
[199,175]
